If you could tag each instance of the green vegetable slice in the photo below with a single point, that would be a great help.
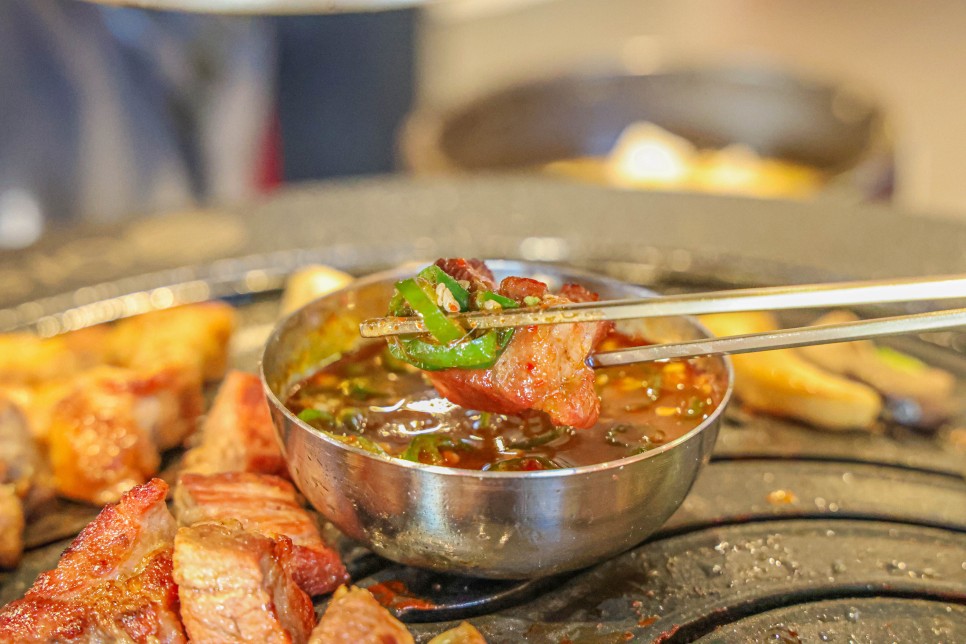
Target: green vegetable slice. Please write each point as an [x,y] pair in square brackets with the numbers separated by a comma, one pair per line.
[424,305]
[310,415]
[425,448]
[491,296]
[524,464]
[436,275]
[361,442]
[479,353]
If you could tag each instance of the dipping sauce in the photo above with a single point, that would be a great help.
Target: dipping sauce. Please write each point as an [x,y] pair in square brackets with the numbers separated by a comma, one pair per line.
[369,399]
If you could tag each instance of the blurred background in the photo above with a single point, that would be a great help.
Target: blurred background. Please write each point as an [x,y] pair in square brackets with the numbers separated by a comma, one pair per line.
[109,112]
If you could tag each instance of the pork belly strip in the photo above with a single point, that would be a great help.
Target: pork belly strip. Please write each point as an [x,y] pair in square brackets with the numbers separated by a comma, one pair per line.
[22,462]
[237,435]
[355,617]
[142,607]
[12,525]
[542,368]
[106,434]
[194,336]
[114,582]
[235,586]
[265,505]
[28,360]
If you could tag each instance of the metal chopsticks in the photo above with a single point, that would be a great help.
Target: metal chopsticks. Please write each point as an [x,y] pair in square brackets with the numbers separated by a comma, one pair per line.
[754,299]
[785,338]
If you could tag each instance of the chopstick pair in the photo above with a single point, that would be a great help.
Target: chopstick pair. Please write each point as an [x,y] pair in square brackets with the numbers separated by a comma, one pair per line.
[844,294]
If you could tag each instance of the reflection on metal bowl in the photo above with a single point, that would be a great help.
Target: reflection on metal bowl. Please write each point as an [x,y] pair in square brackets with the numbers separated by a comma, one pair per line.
[484,524]
[791,125]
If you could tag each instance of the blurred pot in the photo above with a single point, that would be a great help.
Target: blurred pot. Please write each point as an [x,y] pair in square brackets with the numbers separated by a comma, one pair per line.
[775,114]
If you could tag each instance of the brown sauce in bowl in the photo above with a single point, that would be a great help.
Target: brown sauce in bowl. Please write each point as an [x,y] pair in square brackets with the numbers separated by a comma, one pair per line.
[369,399]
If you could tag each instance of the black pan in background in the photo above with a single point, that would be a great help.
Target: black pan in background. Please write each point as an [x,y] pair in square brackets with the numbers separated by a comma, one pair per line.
[778,114]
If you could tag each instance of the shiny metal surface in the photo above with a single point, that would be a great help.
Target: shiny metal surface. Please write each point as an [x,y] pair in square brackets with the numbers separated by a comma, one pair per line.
[786,338]
[486,524]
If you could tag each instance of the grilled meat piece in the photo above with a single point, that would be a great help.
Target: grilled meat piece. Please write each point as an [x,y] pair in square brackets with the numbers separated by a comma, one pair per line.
[237,435]
[114,544]
[465,633]
[25,481]
[542,368]
[474,271]
[194,336]
[22,463]
[266,505]
[114,582]
[12,524]
[28,360]
[355,617]
[140,608]
[105,436]
[235,586]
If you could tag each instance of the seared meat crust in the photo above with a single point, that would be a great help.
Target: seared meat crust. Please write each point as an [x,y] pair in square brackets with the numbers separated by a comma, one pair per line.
[106,435]
[12,524]
[265,505]
[114,582]
[194,337]
[355,617]
[235,587]
[238,435]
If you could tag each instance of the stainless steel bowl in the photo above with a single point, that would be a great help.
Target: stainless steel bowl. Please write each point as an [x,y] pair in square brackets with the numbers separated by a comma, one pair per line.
[484,524]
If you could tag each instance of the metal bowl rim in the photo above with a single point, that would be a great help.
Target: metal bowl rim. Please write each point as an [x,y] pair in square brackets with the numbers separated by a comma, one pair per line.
[480,474]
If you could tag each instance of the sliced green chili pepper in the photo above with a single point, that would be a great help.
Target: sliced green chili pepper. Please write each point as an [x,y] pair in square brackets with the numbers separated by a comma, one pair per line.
[479,353]
[436,275]
[524,464]
[439,326]
[393,364]
[310,415]
[361,442]
[425,448]
[491,296]
[548,436]
[633,436]
[359,389]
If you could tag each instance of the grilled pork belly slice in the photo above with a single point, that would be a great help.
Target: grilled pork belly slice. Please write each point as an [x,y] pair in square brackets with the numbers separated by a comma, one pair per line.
[235,586]
[194,336]
[465,633]
[12,524]
[105,436]
[22,463]
[355,617]
[266,505]
[142,607]
[542,368]
[237,435]
[114,582]
[29,360]
[25,481]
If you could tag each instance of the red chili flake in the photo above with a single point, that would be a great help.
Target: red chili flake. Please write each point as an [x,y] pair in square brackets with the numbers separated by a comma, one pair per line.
[648,621]
[531,367]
